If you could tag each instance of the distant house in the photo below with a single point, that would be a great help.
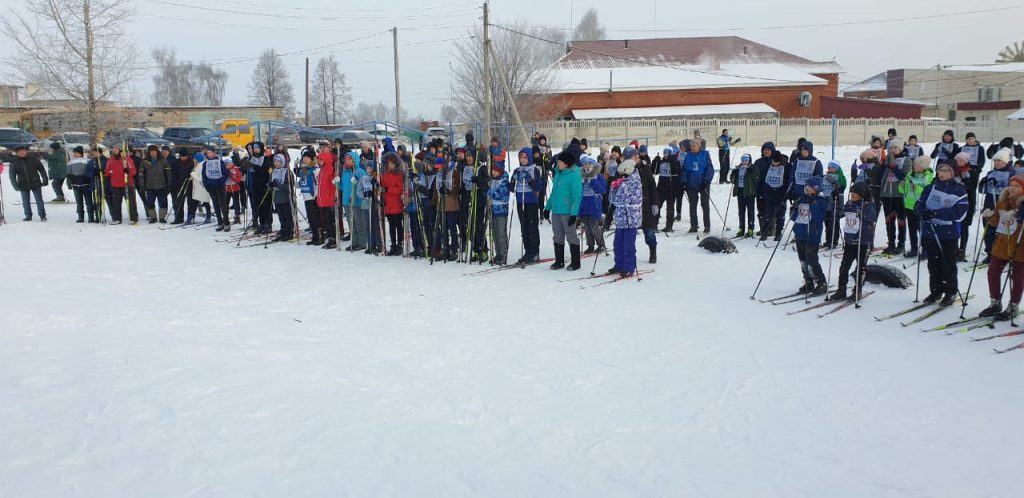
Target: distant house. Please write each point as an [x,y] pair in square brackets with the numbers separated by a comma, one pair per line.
[9,96]
[725,76]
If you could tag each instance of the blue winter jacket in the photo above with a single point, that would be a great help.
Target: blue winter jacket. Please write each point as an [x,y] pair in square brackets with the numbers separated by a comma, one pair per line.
[801,169]
[858,227]
[762,164]
[697,169]
[808,216]
[628,198]
[526,180]
[498,193]
[942,207]
[593,191]
[345,185]
[215,174]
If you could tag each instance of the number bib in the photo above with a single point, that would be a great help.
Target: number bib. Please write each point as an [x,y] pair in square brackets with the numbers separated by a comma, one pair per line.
[940,200]
[851,223]
[588,190]
[803,214]
[774,176]
[213,171]
[665,169]
[971,150]
[804,169]
[1007,222]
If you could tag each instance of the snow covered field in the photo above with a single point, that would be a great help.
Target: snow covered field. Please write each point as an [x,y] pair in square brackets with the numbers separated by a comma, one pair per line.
[141,362]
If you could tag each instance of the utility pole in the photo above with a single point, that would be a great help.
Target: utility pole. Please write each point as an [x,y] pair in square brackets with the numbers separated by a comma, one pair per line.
[307,93]
[487,76]
[512,100]
[398,93]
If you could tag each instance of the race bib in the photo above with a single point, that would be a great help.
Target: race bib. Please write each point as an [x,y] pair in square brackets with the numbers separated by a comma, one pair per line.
[827,188]
[740,175]
[803,214]
[279,176]
[851,223]
[588,190]
[1007,222]
[945,150]
[213,171]
[804,169]
[774,176]
[941,200]
[665,169]
[973,152]
[912,153]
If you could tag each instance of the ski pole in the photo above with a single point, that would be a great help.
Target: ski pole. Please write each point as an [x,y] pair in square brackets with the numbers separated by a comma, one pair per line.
[832,246]
[917,283]
[770,258]
[977,255]
[727,203]
[1009,274]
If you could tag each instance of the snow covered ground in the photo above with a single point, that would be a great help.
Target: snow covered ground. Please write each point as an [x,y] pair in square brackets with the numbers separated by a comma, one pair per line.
[141,362]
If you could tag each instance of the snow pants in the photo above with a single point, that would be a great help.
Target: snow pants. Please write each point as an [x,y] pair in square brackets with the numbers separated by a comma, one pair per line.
[807,252]
[941,265]
[625,249]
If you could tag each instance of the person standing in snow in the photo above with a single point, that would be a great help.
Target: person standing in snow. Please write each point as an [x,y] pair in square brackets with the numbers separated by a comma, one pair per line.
[992,186]
[326,196]
[650,211]
[1008,218]
[911,187]
[181,168]
[307,177]
[198,196]
[526,184]
[804,167]
[969,176]
[283,182]
[498,193]
[895,169]
[667,168]
[28,177]
[80,179]
[697,173]
[627,196]
[761,165]
[594,189]
[912,150]
[57,164]
[233,189]
[832,188]
[215,176]
[808,217]
[564,205]
[942,208]
[746,180]
[392,185]
[947,149]
[352,201]
[777,180]
[725,143]
[121,171]
[156,177]
[858,226]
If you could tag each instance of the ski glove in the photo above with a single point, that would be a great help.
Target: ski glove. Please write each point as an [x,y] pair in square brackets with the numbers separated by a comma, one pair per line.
[927,215]
[336,180]
[987,213]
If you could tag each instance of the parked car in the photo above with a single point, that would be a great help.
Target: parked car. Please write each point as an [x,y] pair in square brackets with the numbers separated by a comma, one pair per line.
[241,133]
[71,139]
[311,137]
[196,136]
[289,137]
[136,138]
[353,138]
[396,138]
[13,137]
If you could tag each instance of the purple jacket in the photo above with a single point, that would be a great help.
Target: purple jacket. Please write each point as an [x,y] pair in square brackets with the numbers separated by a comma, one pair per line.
[628,198]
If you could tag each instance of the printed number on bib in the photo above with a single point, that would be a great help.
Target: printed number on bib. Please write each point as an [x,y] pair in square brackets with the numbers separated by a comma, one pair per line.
[851,224]
[803,214]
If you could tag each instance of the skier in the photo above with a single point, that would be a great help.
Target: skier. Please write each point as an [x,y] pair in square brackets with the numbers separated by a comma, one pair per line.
[746,181]
[233,188]
[912,150]
[449,186]
[352,202]
[942,208]
[650,209]
[808,216]
[969,172]
[369,190]
[858,226]
[156,177]
[526,183]
[393,187]
[308,177]
[80,179]
[594,189]
[762,164]
[57,164]
[668,179]
[414,206]
[100,184]
[121,170]
[869,172]
[28,177]
[911,187]
[215,176]
[725,143]
[946,149]
[832,188]
[498,193]
[610,168]
[1008,217]
[896,167]
[283,183]
[627,196]
[181,168]
[326,196]
[564,205]
[992,186]
[777,180]
[804,167]
[197,194]
[697,173]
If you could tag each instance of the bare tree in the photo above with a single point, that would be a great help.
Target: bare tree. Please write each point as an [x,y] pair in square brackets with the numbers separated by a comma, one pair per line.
[365,112]
[1012,53]
[522,61]
[270,85]
[76,49]
[588,27]
[330,97]
[449,113]
[186,83]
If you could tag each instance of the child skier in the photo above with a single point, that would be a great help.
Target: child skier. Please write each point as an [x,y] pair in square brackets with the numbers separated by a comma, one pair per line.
[832,188]
[393,186]
[992,186]
[746,181]
[668,177]
[198,196]
[369,190]
[594,188]
[911,188]
[121,171]
[351,174]
[808,216]
[449,186]
[896,167]
[776,185]
[858,226]
[498,193]
[564,205]
[912,150]
[215,175]
[308,177]
[327,196]
[526,183]
[803,167]
[627,197]
[283,182]
[233,189]
[1007,215]
[942,208]
[414,205]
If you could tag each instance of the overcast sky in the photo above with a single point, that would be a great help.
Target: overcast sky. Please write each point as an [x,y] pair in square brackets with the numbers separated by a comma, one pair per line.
[884,35]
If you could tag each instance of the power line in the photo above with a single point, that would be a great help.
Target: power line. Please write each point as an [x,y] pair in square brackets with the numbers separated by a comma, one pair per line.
[309,29]
[438,15]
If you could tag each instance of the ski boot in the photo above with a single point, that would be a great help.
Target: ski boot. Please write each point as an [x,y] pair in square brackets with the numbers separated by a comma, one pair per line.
[81,219]
[912,253]
[601,249]
[559,257]
[654,255]
[933,297]
[692,230]
[589,250]
[804,289]
[948,299]
[574,257]
[1008,313]
[838,295]
[741,232]
[750,233]
[707,229]
[820,289]
[987,260]
[889,250]
[961,256]
[993,309]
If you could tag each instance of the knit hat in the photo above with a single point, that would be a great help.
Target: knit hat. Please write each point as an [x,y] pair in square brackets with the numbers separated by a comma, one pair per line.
[924,162]
[182,152]
[420,155]
[970,134]
[777,157]
[630,153]
[566,157]
[1003,155]
[814,182]
[859,188]
[228,160]
[279,158]
[643,149]
[892,131]
[745,157]
[586,159]
[309,153]
[635,144]
[627,167]
[963,156]
[1018,179]
[833,164]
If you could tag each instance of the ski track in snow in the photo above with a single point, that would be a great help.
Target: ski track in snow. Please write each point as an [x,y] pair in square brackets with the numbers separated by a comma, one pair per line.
[140,362]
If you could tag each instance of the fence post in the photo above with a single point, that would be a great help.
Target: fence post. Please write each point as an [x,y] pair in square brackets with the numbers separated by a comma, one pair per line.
[807,127]
[777,122]
[865,123]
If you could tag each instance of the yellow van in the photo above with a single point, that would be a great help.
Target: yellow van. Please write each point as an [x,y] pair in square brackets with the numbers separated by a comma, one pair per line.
[242,134]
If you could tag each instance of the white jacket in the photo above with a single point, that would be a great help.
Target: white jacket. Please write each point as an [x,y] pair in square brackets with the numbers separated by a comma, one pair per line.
[199,192]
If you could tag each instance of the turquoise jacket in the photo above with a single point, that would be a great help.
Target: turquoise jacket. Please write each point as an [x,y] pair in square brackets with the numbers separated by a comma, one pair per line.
[566,192]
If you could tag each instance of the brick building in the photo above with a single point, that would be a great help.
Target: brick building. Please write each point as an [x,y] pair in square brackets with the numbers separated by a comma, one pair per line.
[724,76]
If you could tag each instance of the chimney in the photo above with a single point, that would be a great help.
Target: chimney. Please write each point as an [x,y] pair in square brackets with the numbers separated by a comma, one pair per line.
[626,42]
[744,50]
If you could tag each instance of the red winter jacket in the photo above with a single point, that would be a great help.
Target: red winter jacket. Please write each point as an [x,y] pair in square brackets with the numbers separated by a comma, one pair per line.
[326,191]
[116,170]
[234,178]
[393,183]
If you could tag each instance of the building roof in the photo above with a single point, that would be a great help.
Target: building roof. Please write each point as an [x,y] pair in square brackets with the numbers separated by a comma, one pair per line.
[1010,67]
[876,83]
[649,78]
[674,111]
[1017,115]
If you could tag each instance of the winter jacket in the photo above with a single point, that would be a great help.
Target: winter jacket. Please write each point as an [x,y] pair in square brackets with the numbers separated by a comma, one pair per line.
[283,182]
[994,183]
[649,190]
[762,164]
[776,182]
[1005,143]
[156,174]
[832,187]
[347,185]
[725,141]
[977,154]
[307,178]
[945,151]
[448,187]
[180,170]
[802,168]
[566,192]
[895,169]
[627,196]
[913,185]
[199,193]
[697,170]
[1008,227]
[27,173]
[527,180]
[808,217]
[594,187]
[215,174]
[81,173]
[942,208]
[746,181]
[913,151]
[326,193]
[234,183]
[858,223]
[57,163]
[393,185]
[116,170]
[498,192]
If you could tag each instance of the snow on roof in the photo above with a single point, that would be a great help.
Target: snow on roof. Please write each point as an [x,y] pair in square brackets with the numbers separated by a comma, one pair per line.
[673,111]
[689,50]
[1017,115]
[1010,67]
[896,100]
[679,77]
[876,83]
